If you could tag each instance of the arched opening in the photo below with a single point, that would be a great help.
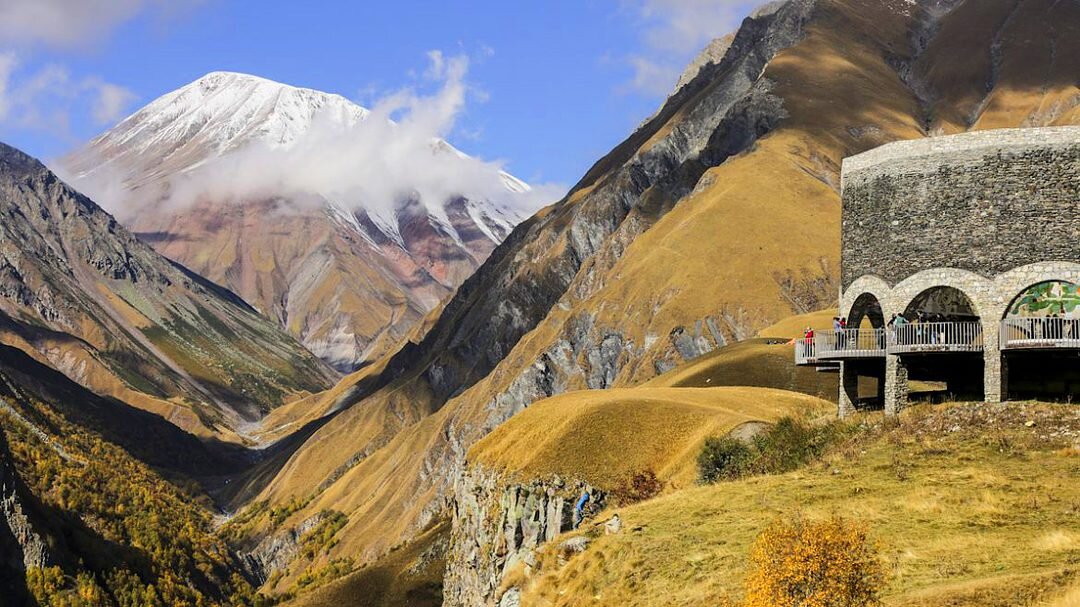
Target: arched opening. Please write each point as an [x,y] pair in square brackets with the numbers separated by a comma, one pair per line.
[942,304]
[1040,339]
[940,337]
[866,312]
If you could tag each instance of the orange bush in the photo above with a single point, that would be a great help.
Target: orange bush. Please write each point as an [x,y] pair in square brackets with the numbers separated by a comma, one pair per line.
[799,563]
[638,487]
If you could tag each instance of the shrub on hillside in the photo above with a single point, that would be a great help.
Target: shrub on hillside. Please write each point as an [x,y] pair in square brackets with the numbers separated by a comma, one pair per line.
[724,458]
[639,487]
[830,563]
[789,444]
[785,446]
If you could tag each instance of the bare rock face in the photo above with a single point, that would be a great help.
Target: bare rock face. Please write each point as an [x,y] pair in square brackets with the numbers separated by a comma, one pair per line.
[73,279]
[21,546]
[497,526]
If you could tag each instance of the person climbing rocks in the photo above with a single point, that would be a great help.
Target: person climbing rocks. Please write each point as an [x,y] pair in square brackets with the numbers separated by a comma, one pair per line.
[579,508]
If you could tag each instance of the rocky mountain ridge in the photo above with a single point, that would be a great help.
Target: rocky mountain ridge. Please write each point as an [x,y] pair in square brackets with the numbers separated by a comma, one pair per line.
[80,292]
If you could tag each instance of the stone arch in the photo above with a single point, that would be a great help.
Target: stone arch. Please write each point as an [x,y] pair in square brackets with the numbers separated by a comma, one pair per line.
[869,284]
[1046,298]
[1009,285]
[976,289]
[866,306]
[944,301]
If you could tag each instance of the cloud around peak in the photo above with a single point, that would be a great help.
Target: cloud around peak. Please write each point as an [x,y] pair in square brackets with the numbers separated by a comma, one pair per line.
[398,153]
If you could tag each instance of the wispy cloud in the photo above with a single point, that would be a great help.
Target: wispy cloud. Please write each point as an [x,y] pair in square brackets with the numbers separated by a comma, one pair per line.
[673,31]
[68,24]
[44,98]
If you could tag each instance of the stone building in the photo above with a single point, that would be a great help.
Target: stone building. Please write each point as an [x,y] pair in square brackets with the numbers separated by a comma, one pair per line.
[973,241]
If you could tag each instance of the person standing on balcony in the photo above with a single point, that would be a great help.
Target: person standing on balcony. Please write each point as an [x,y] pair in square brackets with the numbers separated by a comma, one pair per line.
[808,342]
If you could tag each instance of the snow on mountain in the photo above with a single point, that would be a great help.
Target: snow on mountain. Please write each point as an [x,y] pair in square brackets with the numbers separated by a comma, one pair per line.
[221,120]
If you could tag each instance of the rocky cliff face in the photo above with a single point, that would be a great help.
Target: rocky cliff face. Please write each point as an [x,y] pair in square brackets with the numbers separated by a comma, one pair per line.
[718,216]
[21,546]
[497,526]
[80,291]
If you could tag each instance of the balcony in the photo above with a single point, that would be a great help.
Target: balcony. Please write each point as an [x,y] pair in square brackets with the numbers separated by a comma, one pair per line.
[1040,333]
[930,337]
[927,337]
[840,345]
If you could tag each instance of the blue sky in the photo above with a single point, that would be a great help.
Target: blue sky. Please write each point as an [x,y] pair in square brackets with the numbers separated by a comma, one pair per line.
[553,84]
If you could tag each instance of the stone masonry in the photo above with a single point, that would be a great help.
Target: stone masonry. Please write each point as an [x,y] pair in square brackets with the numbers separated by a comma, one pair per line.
[989,213]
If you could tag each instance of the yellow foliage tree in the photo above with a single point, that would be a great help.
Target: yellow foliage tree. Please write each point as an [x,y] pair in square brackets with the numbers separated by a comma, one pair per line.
[800,563]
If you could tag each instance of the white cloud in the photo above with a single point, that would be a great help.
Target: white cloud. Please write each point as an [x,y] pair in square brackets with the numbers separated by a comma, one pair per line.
[111,101]
[70,24]
[45,97]
[673,32]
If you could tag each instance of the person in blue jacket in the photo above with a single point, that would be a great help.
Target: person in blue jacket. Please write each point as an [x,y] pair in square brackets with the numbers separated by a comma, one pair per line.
[579,508]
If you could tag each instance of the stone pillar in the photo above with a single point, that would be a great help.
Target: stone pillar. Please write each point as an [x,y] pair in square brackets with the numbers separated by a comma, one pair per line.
[995,371]
[896,385]
[849,388]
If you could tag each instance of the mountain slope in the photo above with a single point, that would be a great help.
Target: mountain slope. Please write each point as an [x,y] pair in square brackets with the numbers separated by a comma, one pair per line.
[79,291]
[267,189]
[84,520]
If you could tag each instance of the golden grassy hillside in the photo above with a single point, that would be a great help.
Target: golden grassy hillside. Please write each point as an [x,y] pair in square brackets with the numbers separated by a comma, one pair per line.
[605,436]
[767,363]
[409,575]
[754,241]
[966,516]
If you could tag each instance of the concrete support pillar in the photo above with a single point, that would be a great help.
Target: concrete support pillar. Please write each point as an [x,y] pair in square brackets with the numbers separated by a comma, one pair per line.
[849,388]
[896,385]
[995,368]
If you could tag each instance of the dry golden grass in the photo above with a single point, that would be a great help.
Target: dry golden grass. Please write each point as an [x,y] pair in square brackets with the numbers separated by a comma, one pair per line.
[765,363]
[604,436]
[964,521]
[409,575]
[794,326]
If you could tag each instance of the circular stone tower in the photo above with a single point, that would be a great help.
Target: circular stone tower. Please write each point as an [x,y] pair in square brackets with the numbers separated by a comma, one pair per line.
[960,264]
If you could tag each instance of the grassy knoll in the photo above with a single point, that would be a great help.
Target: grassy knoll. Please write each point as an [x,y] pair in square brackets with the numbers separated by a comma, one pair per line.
[604,436]
[972,504]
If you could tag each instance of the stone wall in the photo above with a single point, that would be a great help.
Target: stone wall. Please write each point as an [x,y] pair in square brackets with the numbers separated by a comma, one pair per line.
[985,202]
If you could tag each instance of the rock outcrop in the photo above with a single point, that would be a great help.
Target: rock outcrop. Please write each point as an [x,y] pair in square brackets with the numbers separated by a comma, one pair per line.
[21,546]
[498,524]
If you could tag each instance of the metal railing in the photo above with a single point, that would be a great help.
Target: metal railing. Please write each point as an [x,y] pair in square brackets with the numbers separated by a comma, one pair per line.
[836,345]
[965,336]
[805,353]
[1034,333]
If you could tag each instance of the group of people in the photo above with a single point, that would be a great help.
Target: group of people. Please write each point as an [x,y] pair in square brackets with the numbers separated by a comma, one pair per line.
[920,335]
